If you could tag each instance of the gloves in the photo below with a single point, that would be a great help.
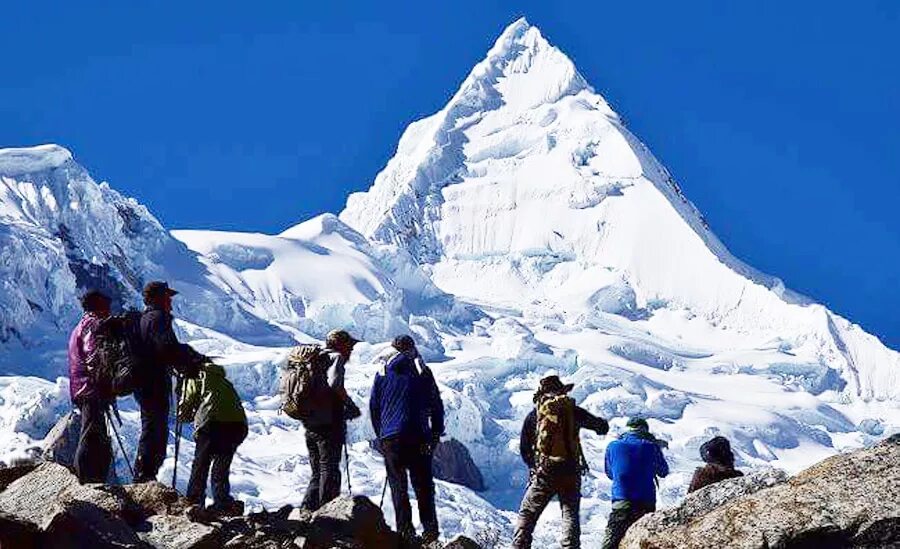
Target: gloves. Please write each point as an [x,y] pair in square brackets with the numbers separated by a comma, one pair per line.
[351,410]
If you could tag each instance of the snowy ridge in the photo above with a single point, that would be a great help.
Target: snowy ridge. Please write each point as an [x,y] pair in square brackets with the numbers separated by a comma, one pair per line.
[520,231]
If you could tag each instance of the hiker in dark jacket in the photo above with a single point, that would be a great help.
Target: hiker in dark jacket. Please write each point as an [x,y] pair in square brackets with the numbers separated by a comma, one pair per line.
[326,436]
[220,426]
[719,458]
[408,417]
[550,445]
[161,353]
[633,462]
[94,454]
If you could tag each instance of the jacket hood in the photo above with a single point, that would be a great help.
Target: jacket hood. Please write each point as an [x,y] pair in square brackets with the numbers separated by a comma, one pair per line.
[214,369]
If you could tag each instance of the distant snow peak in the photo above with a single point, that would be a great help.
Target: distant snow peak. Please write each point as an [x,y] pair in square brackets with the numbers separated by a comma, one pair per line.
[19,161]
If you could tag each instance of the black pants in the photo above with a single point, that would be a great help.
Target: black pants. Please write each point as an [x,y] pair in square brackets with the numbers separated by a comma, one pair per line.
[623,515]
[215,445]
[404,457]
[154,403]
[542,489]
[325,461]
[94,454]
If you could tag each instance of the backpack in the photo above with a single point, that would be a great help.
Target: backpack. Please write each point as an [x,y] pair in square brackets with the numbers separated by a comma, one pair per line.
[304,389]
[557,441]
[114,364]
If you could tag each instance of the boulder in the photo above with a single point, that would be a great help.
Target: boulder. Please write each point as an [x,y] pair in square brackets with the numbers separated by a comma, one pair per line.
[8,475]
[178,532]
[62,440]
[462,542]
[350,521]
[453,463]
[83,524]
[155,498]
[32,498]
[18,533]
[849,500]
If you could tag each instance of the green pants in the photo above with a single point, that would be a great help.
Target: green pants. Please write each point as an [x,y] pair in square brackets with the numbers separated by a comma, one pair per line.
[623,515]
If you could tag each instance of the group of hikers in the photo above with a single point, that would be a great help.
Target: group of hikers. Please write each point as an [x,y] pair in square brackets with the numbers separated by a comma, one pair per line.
[138,353]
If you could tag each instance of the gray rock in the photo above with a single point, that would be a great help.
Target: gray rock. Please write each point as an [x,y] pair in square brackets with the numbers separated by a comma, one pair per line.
[178,532]
[849,500]
[354,522]
[33,497]
[453,463]
[62,440]
[84,524]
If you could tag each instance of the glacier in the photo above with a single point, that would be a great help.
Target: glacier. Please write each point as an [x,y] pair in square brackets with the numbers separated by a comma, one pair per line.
[522,230]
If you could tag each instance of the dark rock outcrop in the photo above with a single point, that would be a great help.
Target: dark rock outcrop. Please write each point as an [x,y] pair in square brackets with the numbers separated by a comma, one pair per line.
[356,520]
[850,500]
[453,463]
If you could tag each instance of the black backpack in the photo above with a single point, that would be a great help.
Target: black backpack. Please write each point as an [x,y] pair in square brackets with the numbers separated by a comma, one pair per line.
[114,364]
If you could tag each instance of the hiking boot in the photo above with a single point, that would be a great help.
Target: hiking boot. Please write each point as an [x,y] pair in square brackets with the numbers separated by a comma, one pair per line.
[233,508]
[429,538]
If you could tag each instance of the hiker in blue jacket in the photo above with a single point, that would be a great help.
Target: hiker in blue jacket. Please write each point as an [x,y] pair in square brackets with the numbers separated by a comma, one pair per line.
[408,418]
[633,462]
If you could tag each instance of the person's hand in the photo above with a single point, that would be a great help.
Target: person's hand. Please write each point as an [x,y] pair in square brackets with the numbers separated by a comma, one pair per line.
[351,410]
[435,441]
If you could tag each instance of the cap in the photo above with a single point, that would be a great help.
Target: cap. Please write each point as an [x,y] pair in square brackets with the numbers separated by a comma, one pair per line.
[339,337]
[157,288]
[638,424]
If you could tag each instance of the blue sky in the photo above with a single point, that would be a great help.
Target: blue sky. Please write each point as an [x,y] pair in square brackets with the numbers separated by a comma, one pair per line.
[780,120]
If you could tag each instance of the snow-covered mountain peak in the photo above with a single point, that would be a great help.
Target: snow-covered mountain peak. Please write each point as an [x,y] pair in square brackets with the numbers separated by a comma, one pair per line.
[18,161]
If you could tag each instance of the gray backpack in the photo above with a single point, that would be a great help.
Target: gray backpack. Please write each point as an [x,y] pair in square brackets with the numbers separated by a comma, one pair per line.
[304,389]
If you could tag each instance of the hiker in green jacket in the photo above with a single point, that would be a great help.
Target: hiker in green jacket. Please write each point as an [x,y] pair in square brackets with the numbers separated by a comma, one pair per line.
[220,426]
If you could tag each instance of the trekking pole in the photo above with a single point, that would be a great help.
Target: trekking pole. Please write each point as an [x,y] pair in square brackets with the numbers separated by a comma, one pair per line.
[112,424]
[178,426]
[347,466]
[383,492]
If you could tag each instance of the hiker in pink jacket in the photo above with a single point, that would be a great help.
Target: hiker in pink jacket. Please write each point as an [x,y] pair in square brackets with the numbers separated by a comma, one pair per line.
[94,454]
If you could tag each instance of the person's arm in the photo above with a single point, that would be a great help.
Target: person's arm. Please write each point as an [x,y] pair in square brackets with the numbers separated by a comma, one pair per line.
[662,467]
[587,420]
[335,375]
[190,399]
[435,405]
[375,405]
[526,439]
[608,461]
[164,344]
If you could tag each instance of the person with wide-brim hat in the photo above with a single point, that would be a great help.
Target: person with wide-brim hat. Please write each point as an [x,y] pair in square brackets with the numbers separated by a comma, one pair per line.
[550,445]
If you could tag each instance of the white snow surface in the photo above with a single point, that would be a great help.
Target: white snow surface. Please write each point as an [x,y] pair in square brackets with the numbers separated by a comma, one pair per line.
[520,231]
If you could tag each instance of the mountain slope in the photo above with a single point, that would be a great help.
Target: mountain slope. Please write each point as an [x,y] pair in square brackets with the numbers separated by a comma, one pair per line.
[527,190]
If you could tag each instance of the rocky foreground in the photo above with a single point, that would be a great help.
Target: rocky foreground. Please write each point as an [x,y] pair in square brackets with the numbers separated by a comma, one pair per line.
[44,506]
[850,500]
[847,501]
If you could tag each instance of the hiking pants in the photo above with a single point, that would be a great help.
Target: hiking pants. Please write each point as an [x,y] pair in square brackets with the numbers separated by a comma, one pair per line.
[412,458]
[94,454]
[624,514]
[151,453]
[325,461]
[214,447]
[542,489]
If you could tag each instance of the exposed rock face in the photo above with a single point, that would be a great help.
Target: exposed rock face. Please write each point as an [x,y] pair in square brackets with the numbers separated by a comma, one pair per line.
[44,506]
[453,463]
[355,519]
[850,500]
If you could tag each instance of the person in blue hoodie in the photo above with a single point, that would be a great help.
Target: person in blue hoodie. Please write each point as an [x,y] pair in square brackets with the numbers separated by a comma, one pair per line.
[408,418]
[633,462]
